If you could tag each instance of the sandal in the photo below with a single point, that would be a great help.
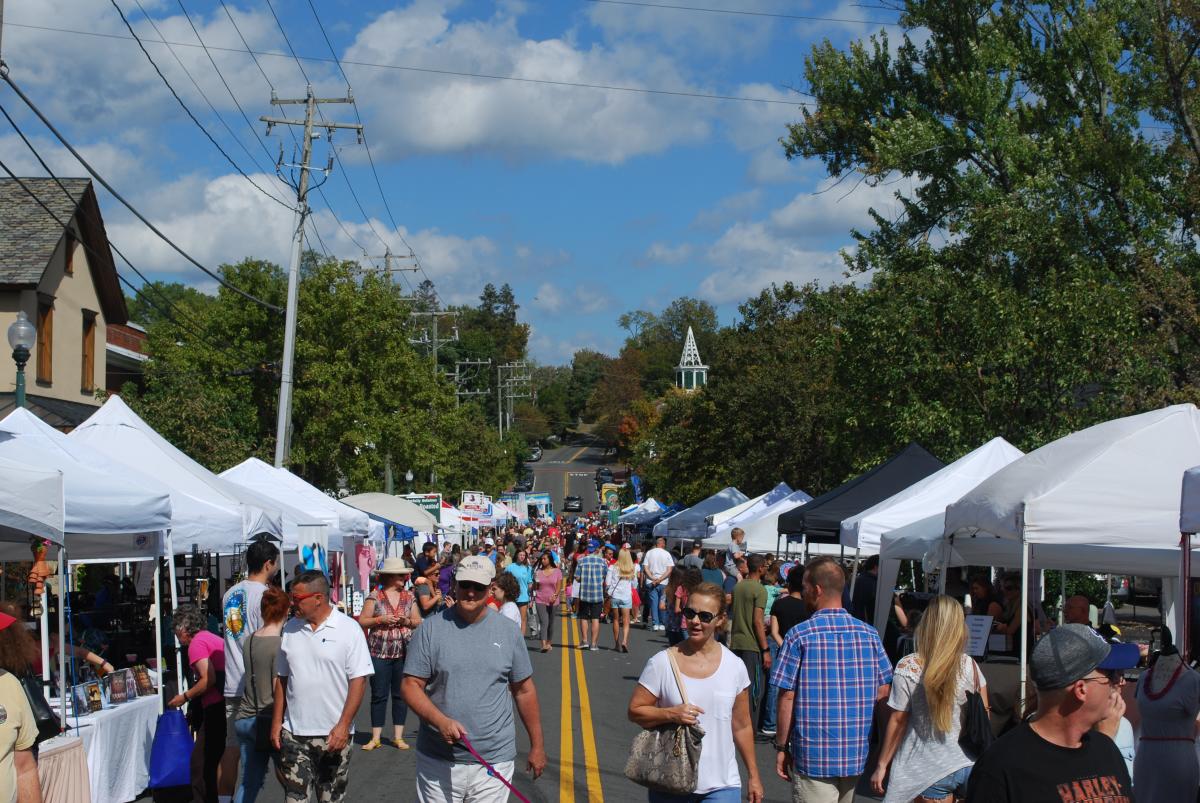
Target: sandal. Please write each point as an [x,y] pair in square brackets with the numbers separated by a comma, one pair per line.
[400,744]
[374,744]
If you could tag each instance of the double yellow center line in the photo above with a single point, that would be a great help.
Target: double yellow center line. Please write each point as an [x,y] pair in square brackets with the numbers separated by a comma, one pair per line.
[566,751]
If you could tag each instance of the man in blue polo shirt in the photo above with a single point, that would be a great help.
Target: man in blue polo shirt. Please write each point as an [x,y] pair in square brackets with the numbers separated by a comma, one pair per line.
[831,672]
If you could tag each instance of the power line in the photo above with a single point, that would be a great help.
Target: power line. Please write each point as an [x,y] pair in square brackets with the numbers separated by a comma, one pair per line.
[804,17]
[434,71]
[283,112]
[112,190]
[184,106]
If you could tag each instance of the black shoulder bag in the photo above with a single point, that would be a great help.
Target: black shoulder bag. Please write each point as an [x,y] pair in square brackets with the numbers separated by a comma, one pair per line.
[976,735]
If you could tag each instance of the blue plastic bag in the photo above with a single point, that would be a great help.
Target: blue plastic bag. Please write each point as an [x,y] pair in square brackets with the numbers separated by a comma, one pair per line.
[171,753]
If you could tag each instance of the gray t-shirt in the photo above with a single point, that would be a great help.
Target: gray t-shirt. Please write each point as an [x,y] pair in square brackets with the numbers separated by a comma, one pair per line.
[260,674]
[692,562]
[241,611]
[469,669]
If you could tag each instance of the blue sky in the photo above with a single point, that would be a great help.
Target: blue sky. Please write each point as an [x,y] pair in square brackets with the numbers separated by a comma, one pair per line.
[589,202]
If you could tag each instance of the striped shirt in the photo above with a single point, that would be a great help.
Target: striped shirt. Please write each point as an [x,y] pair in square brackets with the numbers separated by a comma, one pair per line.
[835,664]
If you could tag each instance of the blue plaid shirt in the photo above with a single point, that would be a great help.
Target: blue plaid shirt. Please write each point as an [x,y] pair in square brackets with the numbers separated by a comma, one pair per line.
[835,664]
[590,572]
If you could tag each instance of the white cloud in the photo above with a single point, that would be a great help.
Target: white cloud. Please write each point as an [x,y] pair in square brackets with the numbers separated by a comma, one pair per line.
[581,299]
[664,254]
[427,113]
[726,210]
[717,37]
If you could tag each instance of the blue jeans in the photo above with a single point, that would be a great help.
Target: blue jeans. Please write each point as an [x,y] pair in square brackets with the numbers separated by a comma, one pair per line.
[657,616]
[389,674]
[949,785]
[254,763]
[771,700]
[729,794]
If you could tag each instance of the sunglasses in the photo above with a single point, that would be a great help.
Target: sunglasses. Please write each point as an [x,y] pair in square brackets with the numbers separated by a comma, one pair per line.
[704,616]
[1109,677]
[476,588]
[296,598]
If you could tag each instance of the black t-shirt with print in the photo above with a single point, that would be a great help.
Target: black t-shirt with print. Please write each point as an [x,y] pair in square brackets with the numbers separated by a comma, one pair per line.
[1022,767]
[790,611]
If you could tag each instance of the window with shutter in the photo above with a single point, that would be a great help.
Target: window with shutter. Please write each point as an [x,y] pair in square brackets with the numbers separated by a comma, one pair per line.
[87,381]
[45,342]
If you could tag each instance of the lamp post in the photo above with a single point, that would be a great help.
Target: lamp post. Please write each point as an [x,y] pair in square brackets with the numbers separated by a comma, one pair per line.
[21,336]
[408,477]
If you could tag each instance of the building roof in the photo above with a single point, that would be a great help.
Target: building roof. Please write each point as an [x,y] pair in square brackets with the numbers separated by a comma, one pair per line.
[691,355]
[29,236]
[60,414]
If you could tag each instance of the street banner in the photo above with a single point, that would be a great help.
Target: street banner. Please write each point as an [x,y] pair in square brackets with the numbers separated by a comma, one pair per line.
[476,502]
[432,503]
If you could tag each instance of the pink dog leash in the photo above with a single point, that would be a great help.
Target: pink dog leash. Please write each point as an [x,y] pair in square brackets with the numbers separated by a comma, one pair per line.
[492,770]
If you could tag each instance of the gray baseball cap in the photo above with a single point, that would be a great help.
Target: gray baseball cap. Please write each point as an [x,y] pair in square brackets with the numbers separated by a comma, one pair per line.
[1066,654]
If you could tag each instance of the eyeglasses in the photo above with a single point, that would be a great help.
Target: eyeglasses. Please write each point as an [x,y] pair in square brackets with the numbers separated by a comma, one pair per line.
[298,597]
[475,588]
[1108,678]
[703,616]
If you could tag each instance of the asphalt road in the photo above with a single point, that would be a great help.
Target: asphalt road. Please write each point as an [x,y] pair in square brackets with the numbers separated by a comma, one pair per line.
[583,698]
[569,471]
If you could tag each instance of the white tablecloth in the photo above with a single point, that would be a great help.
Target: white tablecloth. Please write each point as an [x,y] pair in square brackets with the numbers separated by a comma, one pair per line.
[117,744]
[63,772]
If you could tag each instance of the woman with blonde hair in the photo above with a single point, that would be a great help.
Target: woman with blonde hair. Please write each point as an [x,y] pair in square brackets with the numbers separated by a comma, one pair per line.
[618,587]
[929,690]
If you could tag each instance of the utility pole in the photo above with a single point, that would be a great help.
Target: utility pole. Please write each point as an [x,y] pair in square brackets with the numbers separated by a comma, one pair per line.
[283,426]
[387,258]
[506,390]
[460,379]
[434,342]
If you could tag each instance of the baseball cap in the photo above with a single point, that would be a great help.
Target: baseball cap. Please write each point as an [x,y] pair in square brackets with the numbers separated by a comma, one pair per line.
[1121,656]
[593,545]
[1066,654]
[475,569]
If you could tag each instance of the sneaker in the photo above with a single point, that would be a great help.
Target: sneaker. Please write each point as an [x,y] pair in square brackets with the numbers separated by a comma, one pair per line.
[767,732]
[593,648]
[583,645]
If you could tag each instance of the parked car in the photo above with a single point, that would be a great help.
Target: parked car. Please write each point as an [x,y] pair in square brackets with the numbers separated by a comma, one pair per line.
[603,475]
[572,504]
[535,453]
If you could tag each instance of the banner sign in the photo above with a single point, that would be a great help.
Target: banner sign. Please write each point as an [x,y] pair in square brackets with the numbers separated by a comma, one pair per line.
[476,502]
[431,503]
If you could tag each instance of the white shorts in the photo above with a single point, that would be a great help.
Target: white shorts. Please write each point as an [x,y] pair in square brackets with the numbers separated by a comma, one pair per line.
[441,781]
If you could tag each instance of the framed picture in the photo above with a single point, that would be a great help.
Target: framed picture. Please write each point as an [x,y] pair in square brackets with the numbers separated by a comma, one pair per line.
[142,681]
[88,698]
[117,690]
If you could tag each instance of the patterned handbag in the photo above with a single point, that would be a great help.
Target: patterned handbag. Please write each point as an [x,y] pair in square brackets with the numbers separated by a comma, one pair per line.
[667,758]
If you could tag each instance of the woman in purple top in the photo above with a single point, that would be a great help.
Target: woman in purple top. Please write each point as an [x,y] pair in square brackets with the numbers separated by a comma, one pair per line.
[204,698]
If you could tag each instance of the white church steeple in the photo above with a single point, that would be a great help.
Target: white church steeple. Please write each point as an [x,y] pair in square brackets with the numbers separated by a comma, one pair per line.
[691,373]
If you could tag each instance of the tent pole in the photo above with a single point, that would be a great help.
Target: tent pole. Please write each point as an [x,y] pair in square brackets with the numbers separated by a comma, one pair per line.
[1062,594]
[161,618]
[64,572]
[45,629]
[1024,614]
[1183,640]
[854,571]
[158,650]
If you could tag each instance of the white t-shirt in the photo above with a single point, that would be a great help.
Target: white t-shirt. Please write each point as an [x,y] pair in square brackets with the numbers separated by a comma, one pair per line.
[656,562]
[715,695]
[620,589]
[509,610]
[319,666]
[241,610]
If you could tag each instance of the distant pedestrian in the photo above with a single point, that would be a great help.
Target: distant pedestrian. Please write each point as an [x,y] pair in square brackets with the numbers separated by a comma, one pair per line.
[547,583]
[321,679]
[694,559]
[590,573]
[831,673]
[618,587]
[787,612]
[504,594]
[466,668]
[717,689]
[428,591]
[748,635]
[1056,756]
[657,566]
[521,570]
[390,613]
[862,604]
[204,698]
[929,690]
[736,551]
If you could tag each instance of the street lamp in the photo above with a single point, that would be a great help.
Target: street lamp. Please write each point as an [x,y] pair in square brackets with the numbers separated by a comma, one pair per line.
[408,477]
[21,336]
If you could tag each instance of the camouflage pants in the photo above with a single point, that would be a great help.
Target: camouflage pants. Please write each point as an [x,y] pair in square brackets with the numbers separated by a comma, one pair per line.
[309,772]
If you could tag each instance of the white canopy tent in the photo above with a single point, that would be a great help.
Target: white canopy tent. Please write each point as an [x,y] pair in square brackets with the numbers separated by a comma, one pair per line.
[1113,484]
[341,520]
[929,496]
[748,508]
[227,515]
[645,512]
[691,523]
[761,525]
[31,503]
[393,509]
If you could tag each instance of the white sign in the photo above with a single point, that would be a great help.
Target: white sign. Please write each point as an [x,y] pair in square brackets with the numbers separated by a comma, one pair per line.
[475,502]
[978,630]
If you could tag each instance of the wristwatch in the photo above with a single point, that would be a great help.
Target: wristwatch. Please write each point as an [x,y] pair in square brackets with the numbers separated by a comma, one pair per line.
[779,748]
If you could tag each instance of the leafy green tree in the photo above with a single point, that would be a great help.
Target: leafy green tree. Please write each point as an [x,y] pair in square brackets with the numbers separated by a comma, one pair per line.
[587,368]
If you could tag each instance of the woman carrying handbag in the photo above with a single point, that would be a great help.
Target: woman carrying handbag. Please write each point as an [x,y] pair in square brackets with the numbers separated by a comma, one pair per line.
[693,701]
[252,718]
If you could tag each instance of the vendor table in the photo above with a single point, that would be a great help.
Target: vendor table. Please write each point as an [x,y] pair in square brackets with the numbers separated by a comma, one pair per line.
[62,770]
[116,742]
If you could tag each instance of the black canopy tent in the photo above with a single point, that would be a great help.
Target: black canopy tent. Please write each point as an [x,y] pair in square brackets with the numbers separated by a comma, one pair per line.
[820,521]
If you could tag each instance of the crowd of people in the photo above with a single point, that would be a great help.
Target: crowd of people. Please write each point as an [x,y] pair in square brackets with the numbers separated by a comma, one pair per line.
[756,649]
